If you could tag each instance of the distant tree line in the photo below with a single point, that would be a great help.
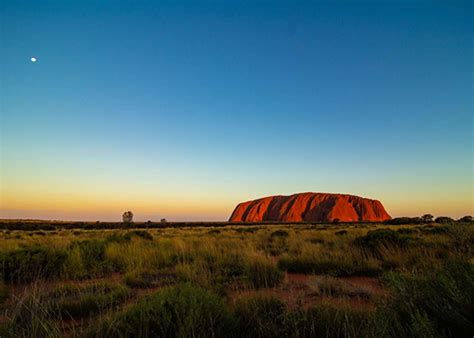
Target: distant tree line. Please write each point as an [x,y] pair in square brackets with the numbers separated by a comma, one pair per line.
[426,219]
[127,222]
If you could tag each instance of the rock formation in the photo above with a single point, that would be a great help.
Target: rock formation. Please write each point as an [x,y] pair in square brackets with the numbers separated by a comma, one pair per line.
[310,207]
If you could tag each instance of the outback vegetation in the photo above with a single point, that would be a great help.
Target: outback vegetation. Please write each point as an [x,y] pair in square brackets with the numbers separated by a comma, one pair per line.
[300,280]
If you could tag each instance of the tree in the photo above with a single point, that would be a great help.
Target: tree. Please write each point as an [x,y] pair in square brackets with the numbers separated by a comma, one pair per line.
[427,218]
[466,219]
[163,220]
[127,217]
[444,220]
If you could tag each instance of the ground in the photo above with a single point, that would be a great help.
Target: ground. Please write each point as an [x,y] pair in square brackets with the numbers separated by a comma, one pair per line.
[289,280]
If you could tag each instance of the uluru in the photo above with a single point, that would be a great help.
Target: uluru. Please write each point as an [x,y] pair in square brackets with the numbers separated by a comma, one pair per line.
[310,207]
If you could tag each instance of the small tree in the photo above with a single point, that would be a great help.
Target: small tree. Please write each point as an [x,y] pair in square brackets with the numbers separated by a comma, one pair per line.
[127,217]
[444,220]
[466,219]
[427,218]
[163,220]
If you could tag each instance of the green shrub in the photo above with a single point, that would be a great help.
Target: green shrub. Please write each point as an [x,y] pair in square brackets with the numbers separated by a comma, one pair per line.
[341,233]
[214,232]
[92,259]
[31,263]
[71,301]
[260,316]
[279,233]
[439,302]
[261,272]
[139,233]
[246,230]
[334,266]
[181,311]
[383,237]
[147,279]
[407,231]
[444,220]
[80,301]
[328,320]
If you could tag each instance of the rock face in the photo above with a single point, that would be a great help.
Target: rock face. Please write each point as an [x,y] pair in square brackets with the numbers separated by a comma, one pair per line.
[310,207]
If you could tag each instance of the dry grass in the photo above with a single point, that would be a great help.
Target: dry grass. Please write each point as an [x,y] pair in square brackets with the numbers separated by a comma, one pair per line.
[222,261]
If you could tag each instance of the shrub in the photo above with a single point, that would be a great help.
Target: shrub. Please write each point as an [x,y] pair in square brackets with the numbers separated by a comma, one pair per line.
[246,230]
[28,264]
[341,233]
[466,219]
[214,231]
[74,301]
[92,259]
[328,320]
[146,278]
[39,314]
[437,302]
[260,316]
[335,264]
[138,233]
[444,220]
[404,220]
[383,237]
[181,311]
[279,233]
[407,231]
[261,272]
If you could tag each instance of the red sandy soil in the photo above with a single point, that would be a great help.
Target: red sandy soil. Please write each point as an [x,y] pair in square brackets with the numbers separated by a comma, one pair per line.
[310,207]
[295,291]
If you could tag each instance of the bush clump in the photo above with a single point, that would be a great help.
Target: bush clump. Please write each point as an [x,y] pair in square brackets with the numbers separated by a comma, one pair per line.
[180,311]
[74,301]
[261,272]
[260,316]
[28,264]
[279,233]
[383,237]
[140,234]
[87,259]
[436,303]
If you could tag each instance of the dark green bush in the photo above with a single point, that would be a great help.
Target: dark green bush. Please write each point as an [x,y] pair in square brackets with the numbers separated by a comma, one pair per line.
[329,320]
[139,233]
[214,231]
[327,266]
[146,279]
[404,220]
[466,219]
[246,230]
[93,257]
[260,316]
[439,302]
[407,231]
[383,237]
[444,220]
[341,233]
[74,301]
[31,263]
[181,311]
[262,273]
[279,233]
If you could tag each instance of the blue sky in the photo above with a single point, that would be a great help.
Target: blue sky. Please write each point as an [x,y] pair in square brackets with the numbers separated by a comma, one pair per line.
[183,109]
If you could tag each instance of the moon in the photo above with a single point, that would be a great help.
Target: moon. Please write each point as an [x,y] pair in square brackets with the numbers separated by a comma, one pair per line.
[33,59]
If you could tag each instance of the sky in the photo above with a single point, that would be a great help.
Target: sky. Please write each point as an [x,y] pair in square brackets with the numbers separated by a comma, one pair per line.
[181,110]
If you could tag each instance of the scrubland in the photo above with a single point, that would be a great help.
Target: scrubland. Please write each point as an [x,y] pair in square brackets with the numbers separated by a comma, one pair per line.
[302,280]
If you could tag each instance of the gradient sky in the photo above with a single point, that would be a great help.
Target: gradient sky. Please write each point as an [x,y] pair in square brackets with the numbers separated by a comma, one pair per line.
[183,109]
